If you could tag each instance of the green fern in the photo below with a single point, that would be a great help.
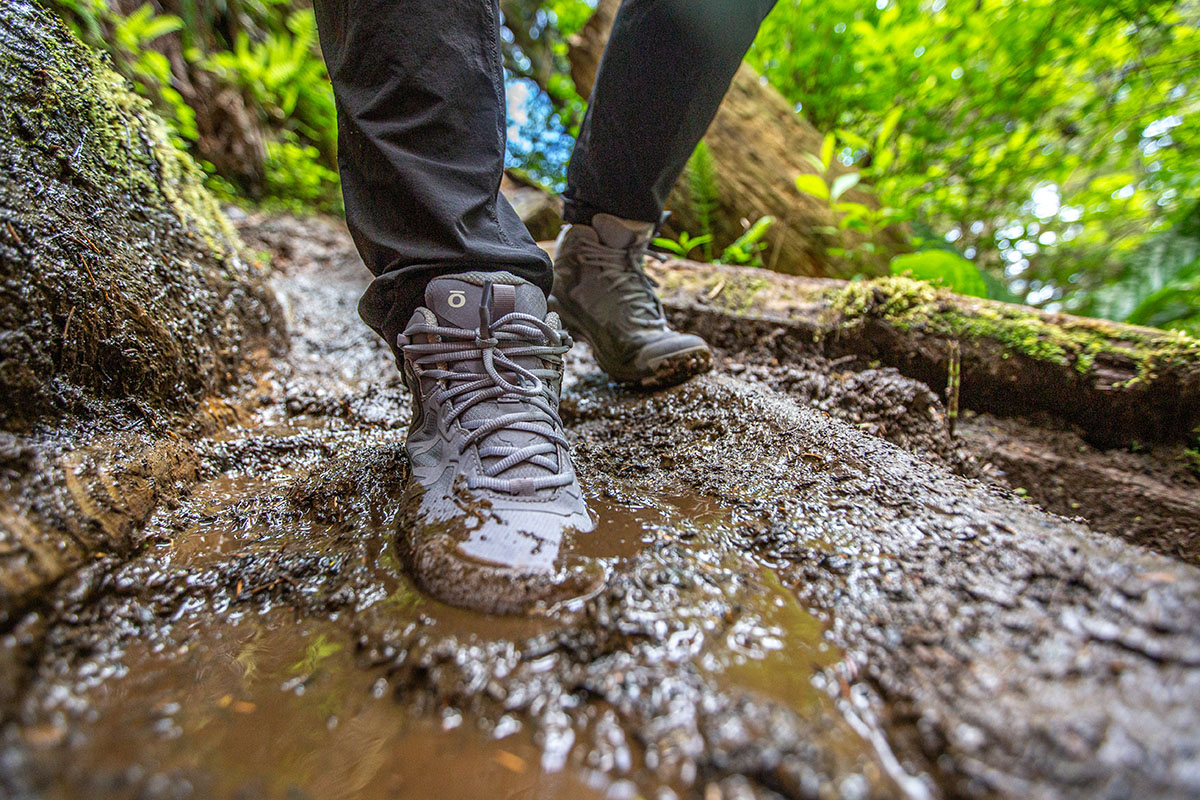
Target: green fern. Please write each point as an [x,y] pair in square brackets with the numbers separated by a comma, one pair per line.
[1161,284]
[702,194]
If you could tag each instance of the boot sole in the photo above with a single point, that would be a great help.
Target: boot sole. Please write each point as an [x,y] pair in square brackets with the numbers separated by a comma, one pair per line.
[673,369]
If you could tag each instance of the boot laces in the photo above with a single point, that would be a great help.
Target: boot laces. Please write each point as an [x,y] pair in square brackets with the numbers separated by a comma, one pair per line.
[487,370]
[624,269]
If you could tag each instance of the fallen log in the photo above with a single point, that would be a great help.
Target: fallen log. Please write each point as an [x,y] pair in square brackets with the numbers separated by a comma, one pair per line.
[758,143]
[1120,383]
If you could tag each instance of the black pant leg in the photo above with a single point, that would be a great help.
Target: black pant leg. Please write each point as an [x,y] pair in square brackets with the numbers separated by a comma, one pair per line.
[667,65]
[421,138]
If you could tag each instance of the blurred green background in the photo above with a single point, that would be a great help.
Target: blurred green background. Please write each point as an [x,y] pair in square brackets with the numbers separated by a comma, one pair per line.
[1039,151]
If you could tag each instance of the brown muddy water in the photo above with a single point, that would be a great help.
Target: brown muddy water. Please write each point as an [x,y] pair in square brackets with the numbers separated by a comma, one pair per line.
[270,703]
[795,608]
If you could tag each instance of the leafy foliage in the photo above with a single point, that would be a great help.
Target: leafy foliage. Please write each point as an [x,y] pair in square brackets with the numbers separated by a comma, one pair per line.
[857,223]
[1161,282]
[285,78]
[1046,139]
[547,112]
[265,49]
[746,250]
[1055,146]
[944,268]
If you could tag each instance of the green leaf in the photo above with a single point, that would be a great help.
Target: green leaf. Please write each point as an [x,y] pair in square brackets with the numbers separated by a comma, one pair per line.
[160,26]
[888,127]
[669,245]
[844,183]
[812,185]
[827,150]
[941,266]
[815,160]
[853,139]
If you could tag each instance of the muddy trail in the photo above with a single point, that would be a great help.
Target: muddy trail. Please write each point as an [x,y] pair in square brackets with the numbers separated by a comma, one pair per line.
[815,592]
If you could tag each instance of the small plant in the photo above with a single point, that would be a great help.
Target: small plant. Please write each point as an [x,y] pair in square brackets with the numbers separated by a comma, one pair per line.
[851,216]
[747,249]
[683,246]
[702,192]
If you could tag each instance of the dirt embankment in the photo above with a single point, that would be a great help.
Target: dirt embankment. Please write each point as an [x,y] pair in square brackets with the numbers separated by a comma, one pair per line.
[124,304]
[797,608]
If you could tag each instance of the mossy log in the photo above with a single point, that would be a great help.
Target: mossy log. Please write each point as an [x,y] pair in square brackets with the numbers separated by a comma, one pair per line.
[758,143]
[125,306]
[1119,383]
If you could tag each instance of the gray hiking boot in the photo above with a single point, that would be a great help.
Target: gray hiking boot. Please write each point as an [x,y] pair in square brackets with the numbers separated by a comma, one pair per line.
[604,296]
[493,496]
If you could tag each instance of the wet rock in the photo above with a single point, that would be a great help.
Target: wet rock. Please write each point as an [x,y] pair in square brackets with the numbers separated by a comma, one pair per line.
[119,277]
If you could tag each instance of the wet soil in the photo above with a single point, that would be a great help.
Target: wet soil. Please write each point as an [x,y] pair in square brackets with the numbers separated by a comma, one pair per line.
[807,598]
[1148,494]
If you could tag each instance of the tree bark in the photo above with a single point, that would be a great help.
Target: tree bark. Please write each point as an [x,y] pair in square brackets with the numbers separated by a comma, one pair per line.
[757,141]
[1120,383]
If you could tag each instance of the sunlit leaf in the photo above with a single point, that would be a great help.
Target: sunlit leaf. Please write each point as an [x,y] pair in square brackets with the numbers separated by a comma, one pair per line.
[813,185]
[944,268]
[843,183]
[827,150]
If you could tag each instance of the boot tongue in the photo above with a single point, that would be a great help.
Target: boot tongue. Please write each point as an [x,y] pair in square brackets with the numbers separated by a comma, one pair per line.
[620,233]
[455,300]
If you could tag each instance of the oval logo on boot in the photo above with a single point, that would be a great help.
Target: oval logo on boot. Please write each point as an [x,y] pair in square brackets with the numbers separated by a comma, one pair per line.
[457,299]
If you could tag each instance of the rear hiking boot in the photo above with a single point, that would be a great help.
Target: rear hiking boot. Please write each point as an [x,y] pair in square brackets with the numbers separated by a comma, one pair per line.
[604,296]
[492,499]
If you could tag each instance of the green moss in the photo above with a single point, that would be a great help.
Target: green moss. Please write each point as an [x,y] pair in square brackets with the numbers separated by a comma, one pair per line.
[738,293]
[735,293]
[127,146]
[909,304]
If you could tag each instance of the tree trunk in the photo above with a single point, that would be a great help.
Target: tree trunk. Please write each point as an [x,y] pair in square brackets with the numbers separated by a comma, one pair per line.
[1120,383]
[758,144]
[124,302]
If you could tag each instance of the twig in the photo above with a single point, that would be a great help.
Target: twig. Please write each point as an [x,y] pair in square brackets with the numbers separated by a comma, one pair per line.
[953,382]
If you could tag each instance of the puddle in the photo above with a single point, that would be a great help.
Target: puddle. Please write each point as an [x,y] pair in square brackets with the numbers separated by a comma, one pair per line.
[226,700]
[775,650]
[628,520]
[272,708]
[278,704]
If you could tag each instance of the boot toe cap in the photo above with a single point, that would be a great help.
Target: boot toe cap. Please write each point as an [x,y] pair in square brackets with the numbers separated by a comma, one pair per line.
[505,559]
[673,359]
